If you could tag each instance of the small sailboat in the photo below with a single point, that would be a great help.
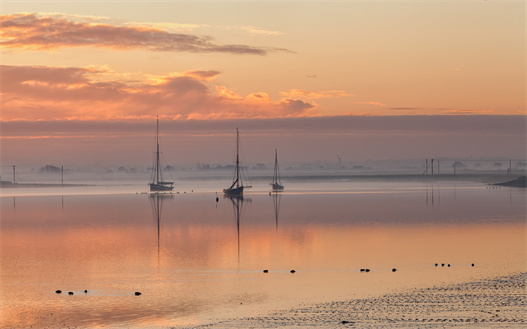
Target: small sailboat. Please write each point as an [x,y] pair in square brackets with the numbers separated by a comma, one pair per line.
[157,183]
[237,185]
[276,184]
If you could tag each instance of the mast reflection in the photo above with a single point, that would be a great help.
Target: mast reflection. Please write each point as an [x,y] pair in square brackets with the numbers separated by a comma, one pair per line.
[156,203]
[237,202]
[277,197]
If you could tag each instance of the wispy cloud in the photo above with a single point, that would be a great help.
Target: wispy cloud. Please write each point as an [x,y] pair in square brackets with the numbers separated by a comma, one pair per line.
[36,32]
[90,93]
[371,103]
[309,95]
[253,30]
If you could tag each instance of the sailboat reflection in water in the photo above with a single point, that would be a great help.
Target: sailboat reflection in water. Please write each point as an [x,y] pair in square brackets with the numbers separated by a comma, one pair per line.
[237,202]
[156,203]
[237,185]
[277,197]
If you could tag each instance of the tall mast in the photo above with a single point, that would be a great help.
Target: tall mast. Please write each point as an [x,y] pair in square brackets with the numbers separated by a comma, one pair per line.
[237,159]
[157,149]
[275,174]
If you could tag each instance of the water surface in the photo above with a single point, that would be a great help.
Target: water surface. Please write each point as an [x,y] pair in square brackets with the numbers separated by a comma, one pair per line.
[196,260]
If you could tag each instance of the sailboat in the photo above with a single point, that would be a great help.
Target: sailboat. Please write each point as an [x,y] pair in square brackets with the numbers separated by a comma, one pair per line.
[237,186]
[157,183]
[276,183]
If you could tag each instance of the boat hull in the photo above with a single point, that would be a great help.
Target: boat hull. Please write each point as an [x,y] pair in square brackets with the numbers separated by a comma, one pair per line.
[160,187]
[276,187]
[233,191]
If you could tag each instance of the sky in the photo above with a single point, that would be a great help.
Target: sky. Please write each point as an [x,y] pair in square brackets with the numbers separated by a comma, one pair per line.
[83,81]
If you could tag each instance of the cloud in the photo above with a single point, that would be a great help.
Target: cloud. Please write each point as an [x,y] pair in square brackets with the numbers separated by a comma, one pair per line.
[305,94]
[35,32]
[91,93]
[253,30]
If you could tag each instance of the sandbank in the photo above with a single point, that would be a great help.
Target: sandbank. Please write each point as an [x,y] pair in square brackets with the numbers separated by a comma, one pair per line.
[493,303]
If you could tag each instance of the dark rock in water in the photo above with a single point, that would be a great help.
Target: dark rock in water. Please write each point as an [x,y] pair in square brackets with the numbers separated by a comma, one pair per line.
[394,270]
[70,293]
[518,182]
[266,271]
[85,291]
[137,293]
[472,264]
[292,271]
[436,264]
[362,270]
[367,270]
[59,291]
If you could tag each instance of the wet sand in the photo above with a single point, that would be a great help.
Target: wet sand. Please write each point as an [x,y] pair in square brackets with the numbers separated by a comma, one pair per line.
[494,303]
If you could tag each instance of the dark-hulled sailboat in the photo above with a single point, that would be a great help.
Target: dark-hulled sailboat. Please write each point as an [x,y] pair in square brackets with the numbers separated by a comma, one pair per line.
[237,185]
[276,184]
[157,183]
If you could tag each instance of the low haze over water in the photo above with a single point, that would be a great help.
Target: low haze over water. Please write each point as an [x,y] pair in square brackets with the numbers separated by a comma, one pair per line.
[196,260]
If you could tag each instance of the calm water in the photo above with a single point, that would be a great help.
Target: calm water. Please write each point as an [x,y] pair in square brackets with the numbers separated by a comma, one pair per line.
[196,260]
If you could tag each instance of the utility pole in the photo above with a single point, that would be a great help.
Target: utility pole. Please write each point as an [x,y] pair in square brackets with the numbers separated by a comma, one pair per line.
[14,175]
[62,175]
[432,167]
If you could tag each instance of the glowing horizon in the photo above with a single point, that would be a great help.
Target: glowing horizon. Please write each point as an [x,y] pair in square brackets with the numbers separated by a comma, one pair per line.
[218,62]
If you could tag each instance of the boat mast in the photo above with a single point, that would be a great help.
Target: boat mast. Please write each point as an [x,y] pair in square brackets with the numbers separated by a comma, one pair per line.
[275,178]
[157,150]
[237,159]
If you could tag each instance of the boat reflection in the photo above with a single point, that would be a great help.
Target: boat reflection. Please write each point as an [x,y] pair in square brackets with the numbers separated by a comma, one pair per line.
[237,202]
[277,198]
[156,203]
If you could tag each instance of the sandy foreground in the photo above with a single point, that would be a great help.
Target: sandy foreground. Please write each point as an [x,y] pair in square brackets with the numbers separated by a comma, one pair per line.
[494,303]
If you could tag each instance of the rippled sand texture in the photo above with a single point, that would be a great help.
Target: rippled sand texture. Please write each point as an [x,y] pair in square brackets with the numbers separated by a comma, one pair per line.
[497,303]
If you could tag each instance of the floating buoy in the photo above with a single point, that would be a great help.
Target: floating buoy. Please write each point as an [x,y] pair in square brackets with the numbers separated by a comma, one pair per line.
[472,264]
[58,291]
[436,264]
[137,293]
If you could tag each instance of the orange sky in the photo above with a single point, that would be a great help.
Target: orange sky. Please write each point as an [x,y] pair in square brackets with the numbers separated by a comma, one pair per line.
[129,61]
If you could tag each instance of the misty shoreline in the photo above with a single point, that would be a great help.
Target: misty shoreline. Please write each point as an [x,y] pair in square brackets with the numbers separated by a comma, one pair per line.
[501,179]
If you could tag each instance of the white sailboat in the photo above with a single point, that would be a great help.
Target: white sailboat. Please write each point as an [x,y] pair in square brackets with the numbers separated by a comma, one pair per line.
[276,184]
[237,185]
[157,183]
